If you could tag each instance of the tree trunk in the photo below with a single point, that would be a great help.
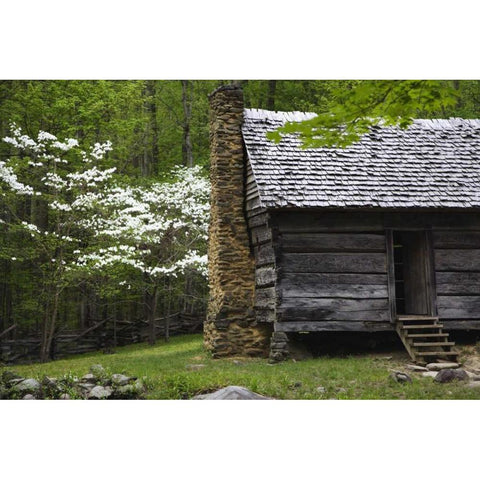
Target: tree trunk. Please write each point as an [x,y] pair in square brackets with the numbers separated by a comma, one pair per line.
[187,94]
[49,327]
[272,87]
[152,300]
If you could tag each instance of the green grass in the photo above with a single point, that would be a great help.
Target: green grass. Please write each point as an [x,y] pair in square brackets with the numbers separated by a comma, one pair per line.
[166,368]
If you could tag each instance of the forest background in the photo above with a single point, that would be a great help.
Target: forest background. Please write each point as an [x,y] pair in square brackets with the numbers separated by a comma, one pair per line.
[154,127]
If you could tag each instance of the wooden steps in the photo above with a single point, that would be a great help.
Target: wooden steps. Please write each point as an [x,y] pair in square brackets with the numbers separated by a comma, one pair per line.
[424,339]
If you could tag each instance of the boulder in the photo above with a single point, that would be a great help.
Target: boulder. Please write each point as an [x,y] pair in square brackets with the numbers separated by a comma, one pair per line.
[64,396]
[321,389]
[416,368]
[89,378]
[29,385]
[473,384]
[98,371]
[231,393]
[99,393]
[449,375]
[119,379]
[29,396]
[442,366]
[429,374]
[401,377]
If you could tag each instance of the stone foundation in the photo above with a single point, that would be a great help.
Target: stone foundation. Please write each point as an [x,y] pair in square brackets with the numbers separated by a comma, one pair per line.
[230,327]
[279,350]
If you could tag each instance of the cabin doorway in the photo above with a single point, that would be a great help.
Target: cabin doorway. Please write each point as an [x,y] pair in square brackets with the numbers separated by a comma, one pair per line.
[412,273]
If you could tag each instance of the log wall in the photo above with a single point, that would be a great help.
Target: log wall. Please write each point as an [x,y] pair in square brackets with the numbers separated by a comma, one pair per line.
[331,268]
[457,272]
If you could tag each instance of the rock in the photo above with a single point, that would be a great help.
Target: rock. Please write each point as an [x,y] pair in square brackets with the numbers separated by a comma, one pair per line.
[28,396]
[89,378]
[237,362]
[321,389]
[29,385]
[473,384]
[473,376]
[119,379]
[98,371]
[416,368]
[49,382]
[401,377]
[449,375]
[99,393]
[64,396]
[442,366]
[231,393]
[430,374]
[341,390]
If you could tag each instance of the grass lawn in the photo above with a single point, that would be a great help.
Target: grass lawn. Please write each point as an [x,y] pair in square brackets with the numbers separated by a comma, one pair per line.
[170,373]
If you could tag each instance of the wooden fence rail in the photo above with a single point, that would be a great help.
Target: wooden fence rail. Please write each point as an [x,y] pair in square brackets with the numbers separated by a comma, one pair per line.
[104,335]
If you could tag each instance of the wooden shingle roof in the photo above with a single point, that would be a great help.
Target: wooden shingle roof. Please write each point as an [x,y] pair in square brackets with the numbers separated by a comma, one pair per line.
[432,164]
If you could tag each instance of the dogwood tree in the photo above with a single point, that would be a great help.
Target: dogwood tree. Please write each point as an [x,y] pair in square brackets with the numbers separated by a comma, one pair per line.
[84,221]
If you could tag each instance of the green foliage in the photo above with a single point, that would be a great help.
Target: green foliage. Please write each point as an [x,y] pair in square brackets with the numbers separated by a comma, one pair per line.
[352,112]
[168,375]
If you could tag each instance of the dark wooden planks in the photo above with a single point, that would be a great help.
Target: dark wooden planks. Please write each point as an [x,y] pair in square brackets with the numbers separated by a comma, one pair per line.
[455,239]
[333,326]
[459,283]
[334,262]
[309,222]
[333,309]
[309,289]
[458,307]
[448,260]
[332,242]
[331,278]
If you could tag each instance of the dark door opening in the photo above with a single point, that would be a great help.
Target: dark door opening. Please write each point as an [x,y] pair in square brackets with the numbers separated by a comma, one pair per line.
[410,255]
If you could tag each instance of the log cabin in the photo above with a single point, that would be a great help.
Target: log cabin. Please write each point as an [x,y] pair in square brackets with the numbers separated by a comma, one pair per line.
[383,235]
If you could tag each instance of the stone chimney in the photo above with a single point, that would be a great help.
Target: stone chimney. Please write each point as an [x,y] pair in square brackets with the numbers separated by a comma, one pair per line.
[230,328]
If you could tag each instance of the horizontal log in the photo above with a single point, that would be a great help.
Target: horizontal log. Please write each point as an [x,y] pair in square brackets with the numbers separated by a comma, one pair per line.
[457,260]
[458,307]
[261,235]
[265,277]
[461,324]
[334,290]
[322,221]
[456,239]
[260,218]
[332,242]
[265,297]
[335,278]
[334,262]
[264,255]
[460,283]
[265,316]
[333,309]
[333,326]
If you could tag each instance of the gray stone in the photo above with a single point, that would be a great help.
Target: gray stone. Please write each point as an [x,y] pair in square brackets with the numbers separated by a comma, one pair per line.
[430,374]
[473,384]
[449,375]
[321,389]
[231,393]
[89,378]
[119,379]
[29,396]
[442,366]
[197,366]
[29,385]
[416,368]
[86,387]
[99,393]
[49,382]
[473,376]
[64,396]
[98,371]
[401,377]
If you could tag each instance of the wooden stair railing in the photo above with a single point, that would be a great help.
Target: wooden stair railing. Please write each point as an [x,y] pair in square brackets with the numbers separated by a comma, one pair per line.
[424,339]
